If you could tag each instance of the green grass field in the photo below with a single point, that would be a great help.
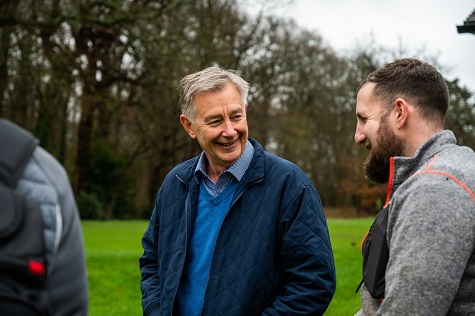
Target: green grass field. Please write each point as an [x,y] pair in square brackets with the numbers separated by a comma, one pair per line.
[113,249]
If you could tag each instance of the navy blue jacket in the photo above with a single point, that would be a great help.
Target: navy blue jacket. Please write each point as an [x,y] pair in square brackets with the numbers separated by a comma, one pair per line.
[273,254]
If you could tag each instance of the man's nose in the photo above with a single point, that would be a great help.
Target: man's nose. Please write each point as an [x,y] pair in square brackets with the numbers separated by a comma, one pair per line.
[229,129]
[359,135]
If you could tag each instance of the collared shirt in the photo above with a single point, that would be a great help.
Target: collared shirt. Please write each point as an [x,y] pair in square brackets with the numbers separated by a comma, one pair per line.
[235,171]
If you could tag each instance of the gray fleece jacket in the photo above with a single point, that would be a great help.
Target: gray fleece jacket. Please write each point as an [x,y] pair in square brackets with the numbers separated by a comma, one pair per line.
[45,181]
[430,233]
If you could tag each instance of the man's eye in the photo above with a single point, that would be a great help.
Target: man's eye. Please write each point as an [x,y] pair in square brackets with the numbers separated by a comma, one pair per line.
[214,123]
[237,117]
[362,119]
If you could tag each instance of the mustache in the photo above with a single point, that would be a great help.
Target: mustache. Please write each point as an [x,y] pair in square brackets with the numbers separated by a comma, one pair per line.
[367,144]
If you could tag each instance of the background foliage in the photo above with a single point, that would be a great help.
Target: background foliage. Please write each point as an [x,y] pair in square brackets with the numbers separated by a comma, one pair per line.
[95,81]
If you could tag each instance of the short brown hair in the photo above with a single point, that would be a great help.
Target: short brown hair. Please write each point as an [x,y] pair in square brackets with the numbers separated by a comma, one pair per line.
[416,81]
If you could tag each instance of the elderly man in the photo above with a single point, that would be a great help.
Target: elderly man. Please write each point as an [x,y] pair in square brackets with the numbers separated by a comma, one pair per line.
[236,230]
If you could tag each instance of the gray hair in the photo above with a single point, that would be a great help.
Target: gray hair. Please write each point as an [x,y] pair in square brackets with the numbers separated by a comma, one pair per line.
[208,80]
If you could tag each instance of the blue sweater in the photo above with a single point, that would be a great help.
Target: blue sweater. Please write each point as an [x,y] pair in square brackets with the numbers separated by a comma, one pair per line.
[210,214]
[272,254]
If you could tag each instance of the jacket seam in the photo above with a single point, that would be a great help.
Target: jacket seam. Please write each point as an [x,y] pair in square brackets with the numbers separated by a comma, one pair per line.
[460,183]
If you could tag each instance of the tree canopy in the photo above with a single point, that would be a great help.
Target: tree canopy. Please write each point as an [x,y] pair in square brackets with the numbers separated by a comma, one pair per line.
[96,82]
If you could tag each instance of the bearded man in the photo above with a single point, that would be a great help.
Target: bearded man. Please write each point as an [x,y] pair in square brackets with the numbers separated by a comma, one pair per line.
[418,256]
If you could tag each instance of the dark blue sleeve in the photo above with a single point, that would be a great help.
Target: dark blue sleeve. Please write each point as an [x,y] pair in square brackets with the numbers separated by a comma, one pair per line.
[149,267]
[308,264]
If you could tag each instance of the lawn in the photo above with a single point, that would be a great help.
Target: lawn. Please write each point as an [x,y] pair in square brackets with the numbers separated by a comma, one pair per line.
[112,252]
[113,249]
[346,235]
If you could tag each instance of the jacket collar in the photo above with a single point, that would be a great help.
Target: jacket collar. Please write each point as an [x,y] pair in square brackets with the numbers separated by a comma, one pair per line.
[255,171]
[403,167]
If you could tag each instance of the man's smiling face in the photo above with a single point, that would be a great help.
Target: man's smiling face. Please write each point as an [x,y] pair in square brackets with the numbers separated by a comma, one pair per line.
[374,132]
[220,126]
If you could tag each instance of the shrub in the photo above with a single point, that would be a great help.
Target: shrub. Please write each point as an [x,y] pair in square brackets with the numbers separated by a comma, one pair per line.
[89,206]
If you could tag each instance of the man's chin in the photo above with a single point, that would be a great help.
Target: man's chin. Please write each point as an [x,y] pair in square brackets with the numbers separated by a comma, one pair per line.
[377,179]
[376,171]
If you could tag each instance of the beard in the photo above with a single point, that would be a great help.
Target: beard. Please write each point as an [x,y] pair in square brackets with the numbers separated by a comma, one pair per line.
[376,166]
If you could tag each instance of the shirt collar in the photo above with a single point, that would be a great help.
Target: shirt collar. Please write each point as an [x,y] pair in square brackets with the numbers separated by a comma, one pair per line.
[237,169]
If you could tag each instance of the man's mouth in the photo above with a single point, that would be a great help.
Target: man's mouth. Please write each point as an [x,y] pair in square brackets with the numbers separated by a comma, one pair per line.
[228,144]
[367,144]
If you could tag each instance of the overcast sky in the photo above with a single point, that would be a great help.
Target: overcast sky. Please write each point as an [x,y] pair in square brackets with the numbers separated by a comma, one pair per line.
[344,24]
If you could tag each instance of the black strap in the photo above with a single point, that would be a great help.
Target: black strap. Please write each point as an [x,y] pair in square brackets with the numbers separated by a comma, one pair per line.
[16,147]
[359,286]
[376,255]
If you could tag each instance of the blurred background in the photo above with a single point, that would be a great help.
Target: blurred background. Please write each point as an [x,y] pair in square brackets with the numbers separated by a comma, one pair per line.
[96,82]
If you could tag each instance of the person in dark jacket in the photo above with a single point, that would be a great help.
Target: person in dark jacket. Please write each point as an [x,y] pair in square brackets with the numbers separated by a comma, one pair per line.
[236,230]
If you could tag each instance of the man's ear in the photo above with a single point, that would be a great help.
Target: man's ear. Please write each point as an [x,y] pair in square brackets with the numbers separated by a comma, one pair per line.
[402,112]
[187,126]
